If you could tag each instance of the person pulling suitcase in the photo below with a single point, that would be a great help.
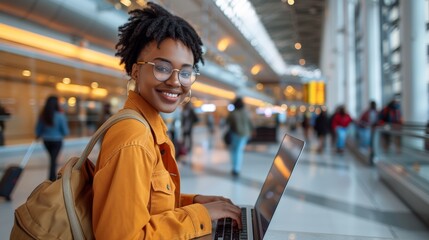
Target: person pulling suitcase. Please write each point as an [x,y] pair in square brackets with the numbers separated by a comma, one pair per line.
[12,174]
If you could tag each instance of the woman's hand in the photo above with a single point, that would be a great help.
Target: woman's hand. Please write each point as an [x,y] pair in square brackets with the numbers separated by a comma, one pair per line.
[220,207]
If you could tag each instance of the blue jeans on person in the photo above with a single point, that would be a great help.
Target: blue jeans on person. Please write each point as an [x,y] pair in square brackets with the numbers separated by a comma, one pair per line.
[236,149]
[364,137]
[341,137]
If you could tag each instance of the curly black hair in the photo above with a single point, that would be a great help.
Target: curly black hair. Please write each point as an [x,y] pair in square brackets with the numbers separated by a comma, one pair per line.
[154,23]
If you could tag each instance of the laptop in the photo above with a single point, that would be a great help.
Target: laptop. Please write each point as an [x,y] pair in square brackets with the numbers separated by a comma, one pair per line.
[256,219]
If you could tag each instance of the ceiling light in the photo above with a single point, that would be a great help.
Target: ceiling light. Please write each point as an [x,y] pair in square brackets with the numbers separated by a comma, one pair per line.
[94,85]
[301,61]
[79,89]
[26,73]
[223,44]
[291,2]
[243,16]
[72,102]
[126,2]
[55,46]
[256,69]
[298,46]
[142,3]
[66,80]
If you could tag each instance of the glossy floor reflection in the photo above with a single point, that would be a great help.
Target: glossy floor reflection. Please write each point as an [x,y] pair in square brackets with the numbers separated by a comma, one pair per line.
[330,196]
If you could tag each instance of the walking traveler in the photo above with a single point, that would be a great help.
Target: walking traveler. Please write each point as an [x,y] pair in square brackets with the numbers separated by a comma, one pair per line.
[52,127]
[241,127]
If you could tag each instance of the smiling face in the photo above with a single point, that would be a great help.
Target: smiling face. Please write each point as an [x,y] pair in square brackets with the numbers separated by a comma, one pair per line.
[163,96]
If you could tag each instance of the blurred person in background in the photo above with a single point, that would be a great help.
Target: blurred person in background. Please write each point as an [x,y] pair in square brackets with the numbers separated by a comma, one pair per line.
[189,119]
[241,126]
[105,114]
[391,117]
[305,124]
[52,128]
[340,123]
[367,123]
[4,115]
[321,127]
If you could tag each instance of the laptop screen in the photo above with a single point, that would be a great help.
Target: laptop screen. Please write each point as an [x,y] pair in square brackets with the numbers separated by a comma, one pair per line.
[277,179]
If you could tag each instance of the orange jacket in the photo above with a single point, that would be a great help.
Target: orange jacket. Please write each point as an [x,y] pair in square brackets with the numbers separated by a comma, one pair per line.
[137,184]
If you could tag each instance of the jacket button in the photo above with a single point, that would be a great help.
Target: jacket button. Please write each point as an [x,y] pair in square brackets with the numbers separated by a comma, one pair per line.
[162,152]
[202,226]
[168,187]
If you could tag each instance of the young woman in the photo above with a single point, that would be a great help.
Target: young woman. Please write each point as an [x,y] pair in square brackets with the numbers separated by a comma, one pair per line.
[52,128]
[137,183]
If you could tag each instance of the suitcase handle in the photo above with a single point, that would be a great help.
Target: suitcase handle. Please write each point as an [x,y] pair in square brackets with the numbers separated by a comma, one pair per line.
[28,154]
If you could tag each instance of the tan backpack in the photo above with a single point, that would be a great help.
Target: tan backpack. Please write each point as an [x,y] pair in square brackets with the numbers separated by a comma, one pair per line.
[63,209]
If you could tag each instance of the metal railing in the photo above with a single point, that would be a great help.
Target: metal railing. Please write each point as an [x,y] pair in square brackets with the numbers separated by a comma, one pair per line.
[401,155]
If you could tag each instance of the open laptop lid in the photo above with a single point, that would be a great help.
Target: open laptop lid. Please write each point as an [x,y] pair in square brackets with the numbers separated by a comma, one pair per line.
[276,181]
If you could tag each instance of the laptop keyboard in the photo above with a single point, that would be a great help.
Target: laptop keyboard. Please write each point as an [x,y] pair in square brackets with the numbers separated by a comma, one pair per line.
[226,230]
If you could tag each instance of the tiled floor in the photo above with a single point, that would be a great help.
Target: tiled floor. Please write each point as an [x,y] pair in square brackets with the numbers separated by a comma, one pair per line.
[330,196]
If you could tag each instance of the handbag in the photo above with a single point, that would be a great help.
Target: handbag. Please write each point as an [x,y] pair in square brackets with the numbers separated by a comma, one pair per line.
[62,209]
[227,137]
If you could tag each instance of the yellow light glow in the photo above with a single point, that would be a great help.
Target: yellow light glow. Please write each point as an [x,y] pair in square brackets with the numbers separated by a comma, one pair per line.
[72,102]
[66,80]
[142,3]
[26,73]
[301,61]
[260,86]
[254,102]
[298,46]
[80,89]
[99,92]
[223,44]
[57,47]
[256,69]
[74,88]
[284,107]
[214,91]
[278,162]
[94,85]
[291,2]
[126,2]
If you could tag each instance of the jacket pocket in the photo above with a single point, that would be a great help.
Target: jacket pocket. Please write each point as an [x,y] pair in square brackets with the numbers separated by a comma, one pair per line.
[162,193]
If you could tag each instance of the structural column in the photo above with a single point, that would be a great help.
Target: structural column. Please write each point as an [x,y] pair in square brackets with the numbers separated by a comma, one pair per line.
[372,75]
[350,56]
[413,61]
[328,62]
[339,53]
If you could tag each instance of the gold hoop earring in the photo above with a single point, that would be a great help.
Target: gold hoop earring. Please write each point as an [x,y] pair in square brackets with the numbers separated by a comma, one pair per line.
[131,85]
[187,98]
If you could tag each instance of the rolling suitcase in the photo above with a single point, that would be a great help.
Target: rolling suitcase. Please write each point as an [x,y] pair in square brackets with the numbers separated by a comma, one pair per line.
[12,174]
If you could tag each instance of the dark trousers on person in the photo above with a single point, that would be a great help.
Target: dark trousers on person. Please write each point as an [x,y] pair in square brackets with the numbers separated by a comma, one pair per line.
[187,140]
[1,138]
[53,148]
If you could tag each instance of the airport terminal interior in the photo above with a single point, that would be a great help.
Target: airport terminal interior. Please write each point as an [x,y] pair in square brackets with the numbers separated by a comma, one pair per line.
[289,60]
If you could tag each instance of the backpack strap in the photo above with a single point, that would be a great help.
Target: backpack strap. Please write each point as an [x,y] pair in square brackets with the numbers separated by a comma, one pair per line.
[121,115]
[70,166]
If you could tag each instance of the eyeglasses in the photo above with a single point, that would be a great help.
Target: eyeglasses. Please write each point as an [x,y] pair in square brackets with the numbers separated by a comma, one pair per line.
[163,70]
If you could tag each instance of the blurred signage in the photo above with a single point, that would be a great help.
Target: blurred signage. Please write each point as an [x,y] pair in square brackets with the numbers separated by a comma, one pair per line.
[314,92]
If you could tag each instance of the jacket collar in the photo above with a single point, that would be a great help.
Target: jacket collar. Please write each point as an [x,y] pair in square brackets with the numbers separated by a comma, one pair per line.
[152,116]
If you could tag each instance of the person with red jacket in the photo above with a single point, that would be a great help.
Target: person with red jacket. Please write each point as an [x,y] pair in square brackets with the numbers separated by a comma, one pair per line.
[391,117]
[367,122]
[340,122]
